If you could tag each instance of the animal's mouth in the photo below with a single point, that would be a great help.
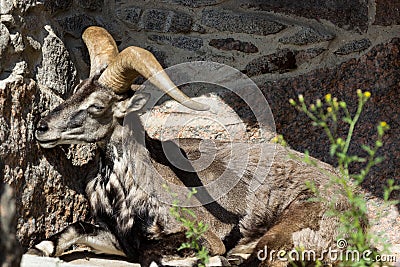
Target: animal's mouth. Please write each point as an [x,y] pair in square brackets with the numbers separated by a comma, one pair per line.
[48,143]
[51,139]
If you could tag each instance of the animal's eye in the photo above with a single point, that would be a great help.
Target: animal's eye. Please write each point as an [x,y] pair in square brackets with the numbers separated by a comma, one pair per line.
[95,108]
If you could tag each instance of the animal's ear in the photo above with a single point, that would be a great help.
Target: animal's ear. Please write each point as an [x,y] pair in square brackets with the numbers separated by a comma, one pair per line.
[135,103]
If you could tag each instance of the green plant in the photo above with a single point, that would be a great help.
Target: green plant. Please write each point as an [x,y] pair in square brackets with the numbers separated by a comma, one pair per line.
[326,114]
[194,229]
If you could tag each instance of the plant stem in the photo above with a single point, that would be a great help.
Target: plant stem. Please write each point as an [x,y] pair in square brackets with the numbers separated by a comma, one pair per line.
[352,125]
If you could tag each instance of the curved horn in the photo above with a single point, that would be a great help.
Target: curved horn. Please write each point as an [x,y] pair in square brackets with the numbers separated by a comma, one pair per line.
[133,61]
[102,48]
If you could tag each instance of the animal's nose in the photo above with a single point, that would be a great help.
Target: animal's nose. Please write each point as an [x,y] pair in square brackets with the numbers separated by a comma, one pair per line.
[42,126]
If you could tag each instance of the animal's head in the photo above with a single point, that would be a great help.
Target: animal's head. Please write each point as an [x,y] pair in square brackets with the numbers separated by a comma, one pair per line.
[102,101]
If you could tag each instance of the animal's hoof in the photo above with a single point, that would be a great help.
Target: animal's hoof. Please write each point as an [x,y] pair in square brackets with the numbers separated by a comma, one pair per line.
[44,248]
[218,261]
[237,259]
[36,252]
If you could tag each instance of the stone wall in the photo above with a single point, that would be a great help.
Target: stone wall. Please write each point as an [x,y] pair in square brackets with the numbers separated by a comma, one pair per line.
[287,47]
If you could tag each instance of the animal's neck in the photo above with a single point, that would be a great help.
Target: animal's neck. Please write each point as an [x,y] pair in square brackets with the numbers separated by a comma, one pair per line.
[127,180]
[123,137]
[123,150]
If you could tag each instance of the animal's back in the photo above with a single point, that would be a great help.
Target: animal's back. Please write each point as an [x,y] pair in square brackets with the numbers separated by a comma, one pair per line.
[266,184]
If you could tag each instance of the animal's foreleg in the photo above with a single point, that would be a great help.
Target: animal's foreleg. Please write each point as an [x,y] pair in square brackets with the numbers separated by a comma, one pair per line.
[79,233]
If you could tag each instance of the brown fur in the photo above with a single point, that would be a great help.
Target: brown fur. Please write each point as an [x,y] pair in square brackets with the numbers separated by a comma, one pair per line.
[277,214]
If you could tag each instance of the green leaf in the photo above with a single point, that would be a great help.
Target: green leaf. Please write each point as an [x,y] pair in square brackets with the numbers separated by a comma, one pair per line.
[306,157]
[341,156]
[333,149]
[347,120]
[378,143]
[184,246]
[358,178]
[190,212]
[378,160]
[390,182]
[386,194]
[189,234]
[357,159]
[368,150]
[380,130]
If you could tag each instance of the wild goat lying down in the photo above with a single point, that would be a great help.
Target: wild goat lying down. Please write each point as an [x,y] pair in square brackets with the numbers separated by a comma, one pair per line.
[133,222]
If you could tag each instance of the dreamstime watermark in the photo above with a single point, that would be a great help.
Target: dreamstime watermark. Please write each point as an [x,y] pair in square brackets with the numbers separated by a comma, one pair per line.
[340,253]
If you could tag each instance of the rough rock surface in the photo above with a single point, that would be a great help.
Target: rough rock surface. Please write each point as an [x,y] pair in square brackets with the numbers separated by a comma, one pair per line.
[161,20]
[57,72]
[195,3]
[10,255]
[281,61]
[38,74]
[247,23]
[347,14]
[232,44]
[184,42]
[130,15]
[54,6]
[4,38]
[91,4]
[354,46]
[46,200]
[5,7]
[303,56]
[387,12]
[75,24]
[306,36]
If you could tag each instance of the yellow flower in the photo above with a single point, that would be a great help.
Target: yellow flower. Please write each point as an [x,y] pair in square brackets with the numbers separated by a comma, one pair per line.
[367,94]
[329,109]
[383,124]
[328,97]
